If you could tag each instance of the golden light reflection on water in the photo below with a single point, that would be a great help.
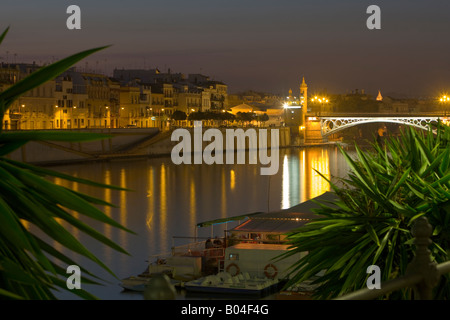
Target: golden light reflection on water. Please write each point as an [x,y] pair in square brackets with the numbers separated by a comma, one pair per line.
[107,197]
[107,211]
[169,200]
[163,208]
[319,163]
[285,202]
[300,181]
[232,179]
[224,194]
[192,203]
[123,204]
[302,164]
[150,203]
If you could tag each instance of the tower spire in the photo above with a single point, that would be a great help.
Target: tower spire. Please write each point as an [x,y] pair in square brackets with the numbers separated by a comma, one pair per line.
[303,82]
[379,97]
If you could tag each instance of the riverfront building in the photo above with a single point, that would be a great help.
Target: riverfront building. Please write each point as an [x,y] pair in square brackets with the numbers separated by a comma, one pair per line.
[131,98]
[148,98]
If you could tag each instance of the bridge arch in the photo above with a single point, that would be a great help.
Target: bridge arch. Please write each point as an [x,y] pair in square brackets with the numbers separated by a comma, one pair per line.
[331,125]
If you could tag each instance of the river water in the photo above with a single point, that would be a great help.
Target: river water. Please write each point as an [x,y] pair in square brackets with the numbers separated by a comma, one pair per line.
[169,200]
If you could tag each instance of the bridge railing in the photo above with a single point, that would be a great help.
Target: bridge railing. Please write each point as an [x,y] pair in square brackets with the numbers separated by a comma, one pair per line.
[440,114]
[422,274]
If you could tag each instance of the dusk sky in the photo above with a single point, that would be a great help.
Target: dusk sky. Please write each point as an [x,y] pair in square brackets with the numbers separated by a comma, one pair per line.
[263,45]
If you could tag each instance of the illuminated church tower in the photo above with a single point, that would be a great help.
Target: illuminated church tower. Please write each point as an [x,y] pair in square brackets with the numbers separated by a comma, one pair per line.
[296,110]
[304,94]
[303,101]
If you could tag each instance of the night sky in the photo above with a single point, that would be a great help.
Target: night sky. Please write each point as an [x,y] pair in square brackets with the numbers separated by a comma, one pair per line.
[263,45]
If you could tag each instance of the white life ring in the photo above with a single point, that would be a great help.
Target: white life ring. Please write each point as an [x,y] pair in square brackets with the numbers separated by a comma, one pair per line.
[270,271]
[233,265]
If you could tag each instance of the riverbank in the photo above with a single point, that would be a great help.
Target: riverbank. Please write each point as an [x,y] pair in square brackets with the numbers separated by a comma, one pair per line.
[135,143]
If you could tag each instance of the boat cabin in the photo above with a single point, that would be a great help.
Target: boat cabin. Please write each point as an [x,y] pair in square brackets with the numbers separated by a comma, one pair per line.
[253,246]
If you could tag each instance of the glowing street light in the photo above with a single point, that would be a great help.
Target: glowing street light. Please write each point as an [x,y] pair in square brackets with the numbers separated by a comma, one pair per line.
[321,100]
[59,121]
[444,98]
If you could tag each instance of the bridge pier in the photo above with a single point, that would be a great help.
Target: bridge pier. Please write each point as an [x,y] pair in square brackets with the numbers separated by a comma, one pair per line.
[313,131]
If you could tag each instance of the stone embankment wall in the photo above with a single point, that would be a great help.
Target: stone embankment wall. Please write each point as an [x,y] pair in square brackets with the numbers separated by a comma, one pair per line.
[124,143]
[55,152]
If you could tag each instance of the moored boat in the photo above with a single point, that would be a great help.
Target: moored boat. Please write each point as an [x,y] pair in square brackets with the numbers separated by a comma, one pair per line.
[184,263]
[242,284]
[245,261]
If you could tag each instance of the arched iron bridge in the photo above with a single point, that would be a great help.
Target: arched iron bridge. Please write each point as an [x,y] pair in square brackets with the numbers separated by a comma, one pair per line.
[330,125]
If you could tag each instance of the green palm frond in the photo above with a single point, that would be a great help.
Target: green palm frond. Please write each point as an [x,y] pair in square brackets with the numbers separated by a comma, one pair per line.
[27,263]
[387,188]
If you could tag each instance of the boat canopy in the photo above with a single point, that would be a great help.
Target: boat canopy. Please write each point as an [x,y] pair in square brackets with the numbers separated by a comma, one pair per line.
[276,226]
[225,220]
[278,221]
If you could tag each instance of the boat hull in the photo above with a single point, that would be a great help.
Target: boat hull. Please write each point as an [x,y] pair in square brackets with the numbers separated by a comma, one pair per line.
[253,288]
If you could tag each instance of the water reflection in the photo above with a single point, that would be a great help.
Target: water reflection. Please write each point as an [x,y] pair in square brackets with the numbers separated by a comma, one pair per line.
[163,209]
[319,165]
[170,200]
[232,179]
[301,179]
[286,201]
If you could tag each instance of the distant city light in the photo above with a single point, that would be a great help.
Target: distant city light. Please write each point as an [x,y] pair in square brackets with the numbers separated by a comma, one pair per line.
[444,99]
[286,106]
[320,99]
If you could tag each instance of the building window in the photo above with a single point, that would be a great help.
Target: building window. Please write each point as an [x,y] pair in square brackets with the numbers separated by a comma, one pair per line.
[233,256]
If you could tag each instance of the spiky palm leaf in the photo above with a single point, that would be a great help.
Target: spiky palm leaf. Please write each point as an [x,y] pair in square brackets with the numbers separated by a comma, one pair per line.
[386,190]
[27,263]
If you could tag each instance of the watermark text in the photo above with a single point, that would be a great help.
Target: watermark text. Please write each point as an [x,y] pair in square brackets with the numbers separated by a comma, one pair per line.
[190,150]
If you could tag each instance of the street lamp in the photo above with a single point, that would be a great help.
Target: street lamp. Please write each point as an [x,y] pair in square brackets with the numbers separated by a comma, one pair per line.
[445,99]
[59,122]
[22,112]
[321,100]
